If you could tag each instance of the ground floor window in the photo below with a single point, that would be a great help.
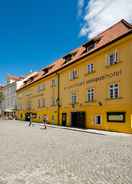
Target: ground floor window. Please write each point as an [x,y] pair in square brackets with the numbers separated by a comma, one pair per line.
[116,116]
[98,119]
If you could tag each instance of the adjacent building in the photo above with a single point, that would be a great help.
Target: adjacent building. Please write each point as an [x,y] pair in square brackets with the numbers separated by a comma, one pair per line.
[90,87]
[9,105]
[1,99]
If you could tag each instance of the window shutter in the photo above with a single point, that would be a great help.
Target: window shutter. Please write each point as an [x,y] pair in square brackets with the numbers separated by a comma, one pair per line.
[86,97]
[70,75]
[108,60]
[116,56]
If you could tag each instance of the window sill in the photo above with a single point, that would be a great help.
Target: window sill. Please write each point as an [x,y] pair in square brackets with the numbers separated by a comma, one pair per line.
[53,105]
[90,102]
[90,73]
[109,99]
[74,103]
[73,79]
[110,65]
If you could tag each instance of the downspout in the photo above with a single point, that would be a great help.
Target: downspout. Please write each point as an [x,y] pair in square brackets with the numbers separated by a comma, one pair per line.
[58,98]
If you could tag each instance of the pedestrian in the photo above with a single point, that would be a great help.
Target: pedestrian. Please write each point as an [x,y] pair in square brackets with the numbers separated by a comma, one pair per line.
[43,125]
[30,119]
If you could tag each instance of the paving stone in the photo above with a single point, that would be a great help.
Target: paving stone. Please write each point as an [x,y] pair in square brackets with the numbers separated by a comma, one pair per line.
[29,155]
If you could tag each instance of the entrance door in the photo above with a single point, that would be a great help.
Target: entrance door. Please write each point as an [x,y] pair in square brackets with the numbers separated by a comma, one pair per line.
[64,119]
[78,119]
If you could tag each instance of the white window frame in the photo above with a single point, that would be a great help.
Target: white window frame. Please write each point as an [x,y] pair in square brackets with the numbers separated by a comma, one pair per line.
[53,101]
[90,94]
[73,74]
[73,99]
[90,68]
[114,91]
[115,58]
[95,119]
[53,83]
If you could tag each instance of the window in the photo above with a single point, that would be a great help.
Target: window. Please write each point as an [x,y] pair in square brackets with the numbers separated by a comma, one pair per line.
[53,83]
[112,58]
[114,91]
[98,119]
[53,119]
[43,103]
[90,95]
[67,58]
[40,87]
[53,101]
[90,68]
[73,74]
[74,99]
[39,103]
[29,105]
[90,47]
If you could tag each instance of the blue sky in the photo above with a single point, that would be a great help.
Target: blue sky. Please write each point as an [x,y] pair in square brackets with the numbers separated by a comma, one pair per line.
[33,33]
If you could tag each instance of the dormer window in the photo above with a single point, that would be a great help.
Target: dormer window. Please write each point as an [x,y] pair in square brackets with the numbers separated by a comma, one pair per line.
[46,69]
[90,45]
[67,58]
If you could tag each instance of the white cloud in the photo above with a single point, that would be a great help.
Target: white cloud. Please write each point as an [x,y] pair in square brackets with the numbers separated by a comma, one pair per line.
[80,7]
[101,14]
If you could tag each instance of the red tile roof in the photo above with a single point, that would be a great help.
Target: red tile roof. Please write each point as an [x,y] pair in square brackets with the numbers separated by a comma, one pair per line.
[13,77]
[114,32]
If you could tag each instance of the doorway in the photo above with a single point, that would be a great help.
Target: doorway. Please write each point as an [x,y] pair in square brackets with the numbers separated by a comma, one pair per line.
[64,119]
[78,119]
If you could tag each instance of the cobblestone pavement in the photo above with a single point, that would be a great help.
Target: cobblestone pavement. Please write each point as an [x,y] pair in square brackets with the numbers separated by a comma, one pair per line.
[30,155]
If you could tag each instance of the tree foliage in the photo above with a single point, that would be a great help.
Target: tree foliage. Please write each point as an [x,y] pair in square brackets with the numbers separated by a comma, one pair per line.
[1,97]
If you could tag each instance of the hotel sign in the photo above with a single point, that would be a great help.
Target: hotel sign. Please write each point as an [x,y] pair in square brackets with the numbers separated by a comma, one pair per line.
[96,79]
[116,116]
[105,76]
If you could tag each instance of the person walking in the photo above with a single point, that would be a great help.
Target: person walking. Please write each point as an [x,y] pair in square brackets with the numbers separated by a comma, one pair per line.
[30,120]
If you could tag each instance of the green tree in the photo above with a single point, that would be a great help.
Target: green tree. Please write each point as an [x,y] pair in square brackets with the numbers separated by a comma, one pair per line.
[1,97]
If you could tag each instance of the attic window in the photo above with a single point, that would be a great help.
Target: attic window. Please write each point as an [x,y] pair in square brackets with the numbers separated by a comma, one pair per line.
[90,45]
[67,58]
[46,69]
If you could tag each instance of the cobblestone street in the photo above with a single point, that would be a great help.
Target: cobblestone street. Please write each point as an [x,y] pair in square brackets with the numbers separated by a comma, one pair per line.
[30,155]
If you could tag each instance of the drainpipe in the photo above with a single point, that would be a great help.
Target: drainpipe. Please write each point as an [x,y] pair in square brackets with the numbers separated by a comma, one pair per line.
[58,98]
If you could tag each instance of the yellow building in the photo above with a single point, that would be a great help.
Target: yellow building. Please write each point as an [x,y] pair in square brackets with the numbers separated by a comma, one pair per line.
[90,87]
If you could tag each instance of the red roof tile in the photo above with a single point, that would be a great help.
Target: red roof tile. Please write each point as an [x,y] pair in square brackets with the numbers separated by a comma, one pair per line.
[117,30]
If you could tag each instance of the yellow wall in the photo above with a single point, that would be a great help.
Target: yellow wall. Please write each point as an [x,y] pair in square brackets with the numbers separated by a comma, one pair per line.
[122,75]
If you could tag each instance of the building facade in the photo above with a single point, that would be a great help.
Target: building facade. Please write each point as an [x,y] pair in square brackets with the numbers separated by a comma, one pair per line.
[1,99]
[88,88]
[9,105]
